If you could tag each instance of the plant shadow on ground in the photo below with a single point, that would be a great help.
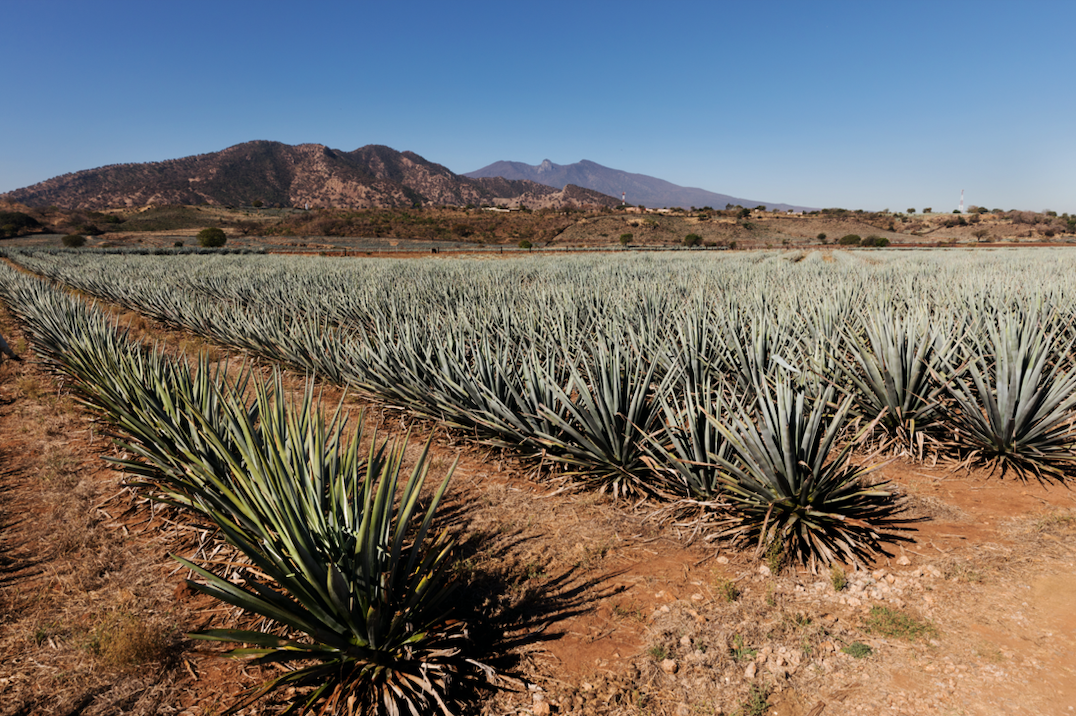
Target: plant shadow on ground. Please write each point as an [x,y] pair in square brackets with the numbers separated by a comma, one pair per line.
[15,560]
[509,603]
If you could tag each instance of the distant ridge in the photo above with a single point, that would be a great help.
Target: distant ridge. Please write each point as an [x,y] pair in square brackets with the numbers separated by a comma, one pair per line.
[287,175]
[640,188]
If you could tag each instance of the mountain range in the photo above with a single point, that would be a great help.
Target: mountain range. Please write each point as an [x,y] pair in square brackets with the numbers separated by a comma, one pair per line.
[635,188]
[286,175]
[278,174]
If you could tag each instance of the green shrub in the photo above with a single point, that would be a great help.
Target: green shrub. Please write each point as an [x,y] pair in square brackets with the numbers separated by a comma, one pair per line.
[822,236]
[837,578]
[625,239]
[211,237]
[850,240]
[524,244]
[15,223]
[857,650]
[73,241]
[692,240]
[875,240]
[895,623]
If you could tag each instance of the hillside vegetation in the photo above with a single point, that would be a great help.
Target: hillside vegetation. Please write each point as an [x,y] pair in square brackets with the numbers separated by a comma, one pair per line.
[606,227]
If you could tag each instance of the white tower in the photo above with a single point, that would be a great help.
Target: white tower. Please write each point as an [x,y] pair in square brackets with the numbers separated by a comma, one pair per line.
[623,198]
[961,201]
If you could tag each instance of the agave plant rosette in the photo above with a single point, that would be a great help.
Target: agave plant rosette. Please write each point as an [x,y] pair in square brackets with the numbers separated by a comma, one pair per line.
[786,486]
[685,447]
[1012,400]
[603,421]
[892,361]
[347,562]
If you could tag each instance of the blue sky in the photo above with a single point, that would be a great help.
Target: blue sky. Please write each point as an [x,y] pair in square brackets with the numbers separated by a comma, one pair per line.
[863,104]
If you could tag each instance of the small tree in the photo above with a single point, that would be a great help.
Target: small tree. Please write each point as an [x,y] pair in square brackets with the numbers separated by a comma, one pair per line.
[73,241]
[822,237]
[911,210]
[257,204]
[850,240]
[927,210]
[524,244]
[980,234]
[692,240]
[211,237]
[625,239]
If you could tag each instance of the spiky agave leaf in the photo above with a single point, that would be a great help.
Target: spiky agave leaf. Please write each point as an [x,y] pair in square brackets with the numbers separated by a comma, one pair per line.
[786,487]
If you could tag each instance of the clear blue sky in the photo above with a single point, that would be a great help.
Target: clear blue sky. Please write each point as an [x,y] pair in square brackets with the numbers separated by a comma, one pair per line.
[860,104]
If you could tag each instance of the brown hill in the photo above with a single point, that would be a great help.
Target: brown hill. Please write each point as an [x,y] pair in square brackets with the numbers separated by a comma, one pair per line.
[285,175]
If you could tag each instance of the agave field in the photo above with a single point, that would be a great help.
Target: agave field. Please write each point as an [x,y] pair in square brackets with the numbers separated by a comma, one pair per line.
[752,389]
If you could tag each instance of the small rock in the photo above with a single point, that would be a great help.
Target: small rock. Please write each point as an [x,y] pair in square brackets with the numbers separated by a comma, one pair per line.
[683,709]
[685,641]
[669,666]
[697,597]
[890,578]
[878,574]
[749,673]
[540,708]
[903,560]
[665,609]
[722,560]
[779,672]
[764,570]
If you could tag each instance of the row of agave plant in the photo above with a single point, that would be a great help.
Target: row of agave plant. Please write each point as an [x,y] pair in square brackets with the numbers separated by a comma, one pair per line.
[346,561]
[708,381]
